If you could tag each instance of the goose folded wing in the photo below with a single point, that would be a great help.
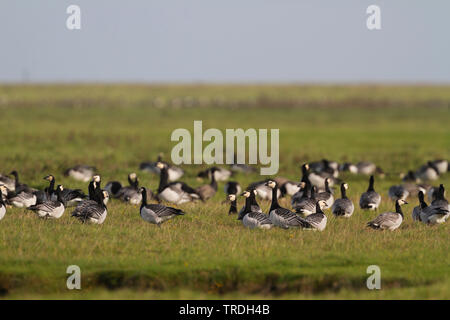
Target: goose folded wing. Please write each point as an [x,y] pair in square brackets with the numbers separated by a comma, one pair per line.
[260,217]
[163,211]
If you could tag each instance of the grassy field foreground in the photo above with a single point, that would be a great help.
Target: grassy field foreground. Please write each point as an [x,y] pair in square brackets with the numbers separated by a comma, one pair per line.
[206,253]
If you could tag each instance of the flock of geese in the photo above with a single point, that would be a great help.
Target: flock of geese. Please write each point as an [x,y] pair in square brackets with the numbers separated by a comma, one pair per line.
[309,198]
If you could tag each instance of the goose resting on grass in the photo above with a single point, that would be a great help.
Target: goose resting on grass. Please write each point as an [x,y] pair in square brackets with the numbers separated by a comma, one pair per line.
[389,220]
[343,207]
[315,221]
[174,192]
[156,213]
[51,209]
[82,173]
[71,197]
[93,211]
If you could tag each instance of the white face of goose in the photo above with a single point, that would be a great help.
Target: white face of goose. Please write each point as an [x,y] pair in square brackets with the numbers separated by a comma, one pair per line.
[133,176]
[322,204]
[246,194]
[61,188]
[345,186]
[402,202]
[3,189]
[105,195]
[302,185]
[271,184]
[306,166]
[160,165]
[49,178]
[232,197]
[96,178]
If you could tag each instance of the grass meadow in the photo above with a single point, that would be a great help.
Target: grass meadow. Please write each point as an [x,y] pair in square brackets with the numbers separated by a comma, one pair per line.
[207,254]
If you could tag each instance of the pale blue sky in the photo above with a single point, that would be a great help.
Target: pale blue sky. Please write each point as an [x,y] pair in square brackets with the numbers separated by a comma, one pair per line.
[225,41]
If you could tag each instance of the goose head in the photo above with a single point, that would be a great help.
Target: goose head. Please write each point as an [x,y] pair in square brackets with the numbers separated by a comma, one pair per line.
[96,178]
[271,184]
[49,178]
[302,185]
[105,197]
[401,202]
[231,197]
[160,165]
[3,190]
[246,194]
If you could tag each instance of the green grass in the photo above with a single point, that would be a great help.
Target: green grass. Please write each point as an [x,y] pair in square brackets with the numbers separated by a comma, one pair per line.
[206,253]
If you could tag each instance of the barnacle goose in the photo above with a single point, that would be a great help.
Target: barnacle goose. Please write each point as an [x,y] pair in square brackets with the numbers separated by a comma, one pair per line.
[50,208]
[23,200]
[174,172]
[428,172]
[280,216]
[220,174]
[315,221]
[2,203]
[131,193]
[263,191]
[389,220]
[343,207]
[233,205]
[80,172]
[113,188]
[409,177]
[366,167]
[208,191]
[306,205]
[398,192]
[93,211]
[19,187]
[441,165]
[232,187]
[347,166]
[174,192]
[286,186]
[156,213]
[254,206]
[252,219]
[417,210]
[438,212]
[71,197]
[370,199]
[326,196]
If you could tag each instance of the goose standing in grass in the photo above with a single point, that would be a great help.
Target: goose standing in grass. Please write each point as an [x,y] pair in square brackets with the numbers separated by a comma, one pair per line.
[23,200]
[156,213]
[2,203]
[398,192]
[440,198]
[326,196]
[343,207]
[174,192]
[280,216]
[417,210]
[9,183]
[307,206]
[174,172]
[438,212]
[71,197]
[370,199]
[82,173]
[232,198]
[428,172]
[232,187]
[208,191]
[51,209]
[93,211]
[252,219]
[389,220]
[409,177]
[315,221]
